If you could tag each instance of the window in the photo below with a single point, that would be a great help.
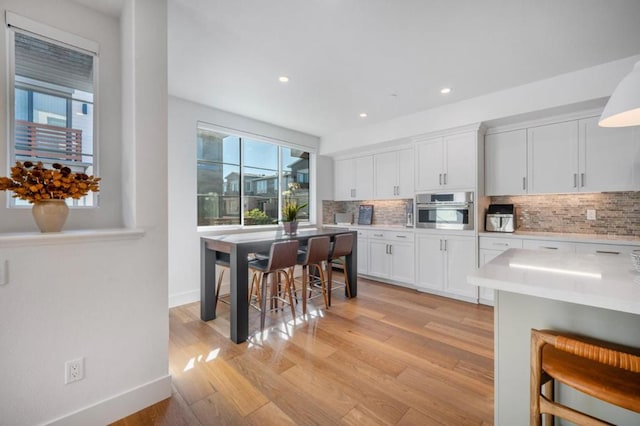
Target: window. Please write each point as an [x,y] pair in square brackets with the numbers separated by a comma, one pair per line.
[52,113]
[263,170]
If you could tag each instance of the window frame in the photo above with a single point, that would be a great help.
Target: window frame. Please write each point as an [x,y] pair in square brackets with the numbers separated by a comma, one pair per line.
[15,23]
[280,143]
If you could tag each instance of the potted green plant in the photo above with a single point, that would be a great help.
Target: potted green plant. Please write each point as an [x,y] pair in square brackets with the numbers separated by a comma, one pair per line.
[290,209]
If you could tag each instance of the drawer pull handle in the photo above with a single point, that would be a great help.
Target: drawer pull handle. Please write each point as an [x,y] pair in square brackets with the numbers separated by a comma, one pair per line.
[549,248]
[401,236]
[607,252]
[378,235]
[500,244]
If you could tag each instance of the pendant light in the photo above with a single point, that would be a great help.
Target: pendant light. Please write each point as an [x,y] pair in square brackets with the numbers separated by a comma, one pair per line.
[623,107]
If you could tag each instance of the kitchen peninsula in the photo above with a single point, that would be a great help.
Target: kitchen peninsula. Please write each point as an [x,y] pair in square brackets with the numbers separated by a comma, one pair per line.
[596,295]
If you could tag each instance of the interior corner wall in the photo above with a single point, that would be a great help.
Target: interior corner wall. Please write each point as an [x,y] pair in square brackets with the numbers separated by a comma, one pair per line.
[69,16]
[105,301]
[184,250]
[567,89]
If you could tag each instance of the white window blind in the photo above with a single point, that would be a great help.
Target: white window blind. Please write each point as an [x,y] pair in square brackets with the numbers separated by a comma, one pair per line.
[40,60]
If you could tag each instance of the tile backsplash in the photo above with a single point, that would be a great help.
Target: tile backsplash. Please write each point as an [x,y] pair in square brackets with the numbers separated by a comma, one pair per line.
[617,213]
[385,212]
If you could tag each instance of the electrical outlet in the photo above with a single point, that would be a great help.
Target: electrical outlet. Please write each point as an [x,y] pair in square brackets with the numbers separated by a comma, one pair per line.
[73,370]
[591,214]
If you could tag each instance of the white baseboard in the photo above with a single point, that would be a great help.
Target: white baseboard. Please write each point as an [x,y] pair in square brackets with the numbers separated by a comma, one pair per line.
[184,298]
[119,406]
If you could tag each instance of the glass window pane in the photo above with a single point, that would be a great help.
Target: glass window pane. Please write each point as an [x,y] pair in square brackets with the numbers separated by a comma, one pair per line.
[260,154]
[295,180]
[261,196]
[218,196]
[214,146]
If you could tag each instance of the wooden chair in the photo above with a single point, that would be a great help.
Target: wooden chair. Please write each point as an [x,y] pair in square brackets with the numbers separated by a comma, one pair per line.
[342,246]
[283,255]
[315,255]
[599,369]
[223,262]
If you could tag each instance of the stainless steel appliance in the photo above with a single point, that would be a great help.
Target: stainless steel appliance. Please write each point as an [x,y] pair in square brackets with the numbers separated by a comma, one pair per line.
[452,210]
[500,218]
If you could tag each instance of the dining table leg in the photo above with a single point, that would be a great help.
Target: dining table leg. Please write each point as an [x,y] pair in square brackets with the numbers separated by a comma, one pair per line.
[238,278]
[351,264]
[207,283]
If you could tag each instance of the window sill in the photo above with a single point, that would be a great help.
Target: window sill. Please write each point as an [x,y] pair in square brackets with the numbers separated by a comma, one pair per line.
[21,239]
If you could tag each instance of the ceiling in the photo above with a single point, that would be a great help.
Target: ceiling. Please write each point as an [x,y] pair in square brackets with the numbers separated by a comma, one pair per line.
[387,58]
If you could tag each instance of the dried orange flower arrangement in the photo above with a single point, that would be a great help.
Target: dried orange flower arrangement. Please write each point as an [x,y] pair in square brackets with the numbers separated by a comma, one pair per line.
[34,182]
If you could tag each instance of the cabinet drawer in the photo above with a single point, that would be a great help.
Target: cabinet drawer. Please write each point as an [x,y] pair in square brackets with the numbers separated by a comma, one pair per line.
[362,234]
[392,236]
[493,243]
[548,245]
[605,249]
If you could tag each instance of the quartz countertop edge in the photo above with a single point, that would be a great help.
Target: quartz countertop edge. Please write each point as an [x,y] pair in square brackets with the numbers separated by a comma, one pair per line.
[608,282]
[566,236]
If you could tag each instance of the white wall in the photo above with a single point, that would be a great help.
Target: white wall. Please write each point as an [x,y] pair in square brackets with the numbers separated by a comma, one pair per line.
[89,297]
[567,89]
[78,20]
[184,250]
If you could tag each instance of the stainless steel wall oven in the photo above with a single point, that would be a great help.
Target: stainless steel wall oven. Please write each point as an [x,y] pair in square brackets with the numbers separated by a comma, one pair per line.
[452,210]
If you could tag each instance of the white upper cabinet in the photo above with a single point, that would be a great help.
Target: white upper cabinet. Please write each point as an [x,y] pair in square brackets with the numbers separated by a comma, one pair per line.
[354,179]
[393,174]
[447,162]
[565,157]
[506,163]
[609,157]
[553,158]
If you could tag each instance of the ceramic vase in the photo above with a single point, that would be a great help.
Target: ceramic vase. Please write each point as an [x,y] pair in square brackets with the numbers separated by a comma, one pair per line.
[50,215]
[290,228]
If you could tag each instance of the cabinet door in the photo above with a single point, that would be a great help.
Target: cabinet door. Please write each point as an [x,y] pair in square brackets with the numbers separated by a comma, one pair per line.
[402,266]
[344,180]
[429,263]
[363,256]
[406,174]
[363,167]
[429,167]
[553,158]
[505,167]
[460,161]
[609,157]
[487,294]
[386,175]
[461,261]
[378,258]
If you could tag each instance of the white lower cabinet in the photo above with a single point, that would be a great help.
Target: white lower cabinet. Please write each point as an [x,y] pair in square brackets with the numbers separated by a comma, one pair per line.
[443,263]
[363,252]
[391,256]
[490,248]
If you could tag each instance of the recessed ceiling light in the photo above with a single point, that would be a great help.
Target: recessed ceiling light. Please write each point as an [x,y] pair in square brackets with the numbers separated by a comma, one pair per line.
[283,79]
[445,90]
[363,115]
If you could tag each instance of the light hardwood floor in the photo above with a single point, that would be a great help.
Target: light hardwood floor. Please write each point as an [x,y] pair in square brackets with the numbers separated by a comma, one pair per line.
[389,356]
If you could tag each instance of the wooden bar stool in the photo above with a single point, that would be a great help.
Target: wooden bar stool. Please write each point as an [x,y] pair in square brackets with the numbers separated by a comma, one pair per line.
[342,246]
[314,256]
[223,262]
[283,255]
[599,369]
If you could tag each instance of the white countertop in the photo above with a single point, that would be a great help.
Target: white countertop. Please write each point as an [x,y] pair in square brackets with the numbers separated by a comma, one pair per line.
[566,236]
[608,282]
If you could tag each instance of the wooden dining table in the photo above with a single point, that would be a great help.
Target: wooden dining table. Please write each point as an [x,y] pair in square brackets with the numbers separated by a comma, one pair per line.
[237,247]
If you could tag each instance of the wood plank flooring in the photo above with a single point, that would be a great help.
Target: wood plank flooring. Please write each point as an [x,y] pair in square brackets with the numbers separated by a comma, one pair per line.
[391,356]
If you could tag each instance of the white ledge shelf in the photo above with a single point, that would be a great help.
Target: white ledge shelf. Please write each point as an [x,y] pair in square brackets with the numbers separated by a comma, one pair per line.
[19,239]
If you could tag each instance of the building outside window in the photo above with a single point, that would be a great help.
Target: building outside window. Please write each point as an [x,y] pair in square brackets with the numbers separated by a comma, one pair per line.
[263,170]
[52,113]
